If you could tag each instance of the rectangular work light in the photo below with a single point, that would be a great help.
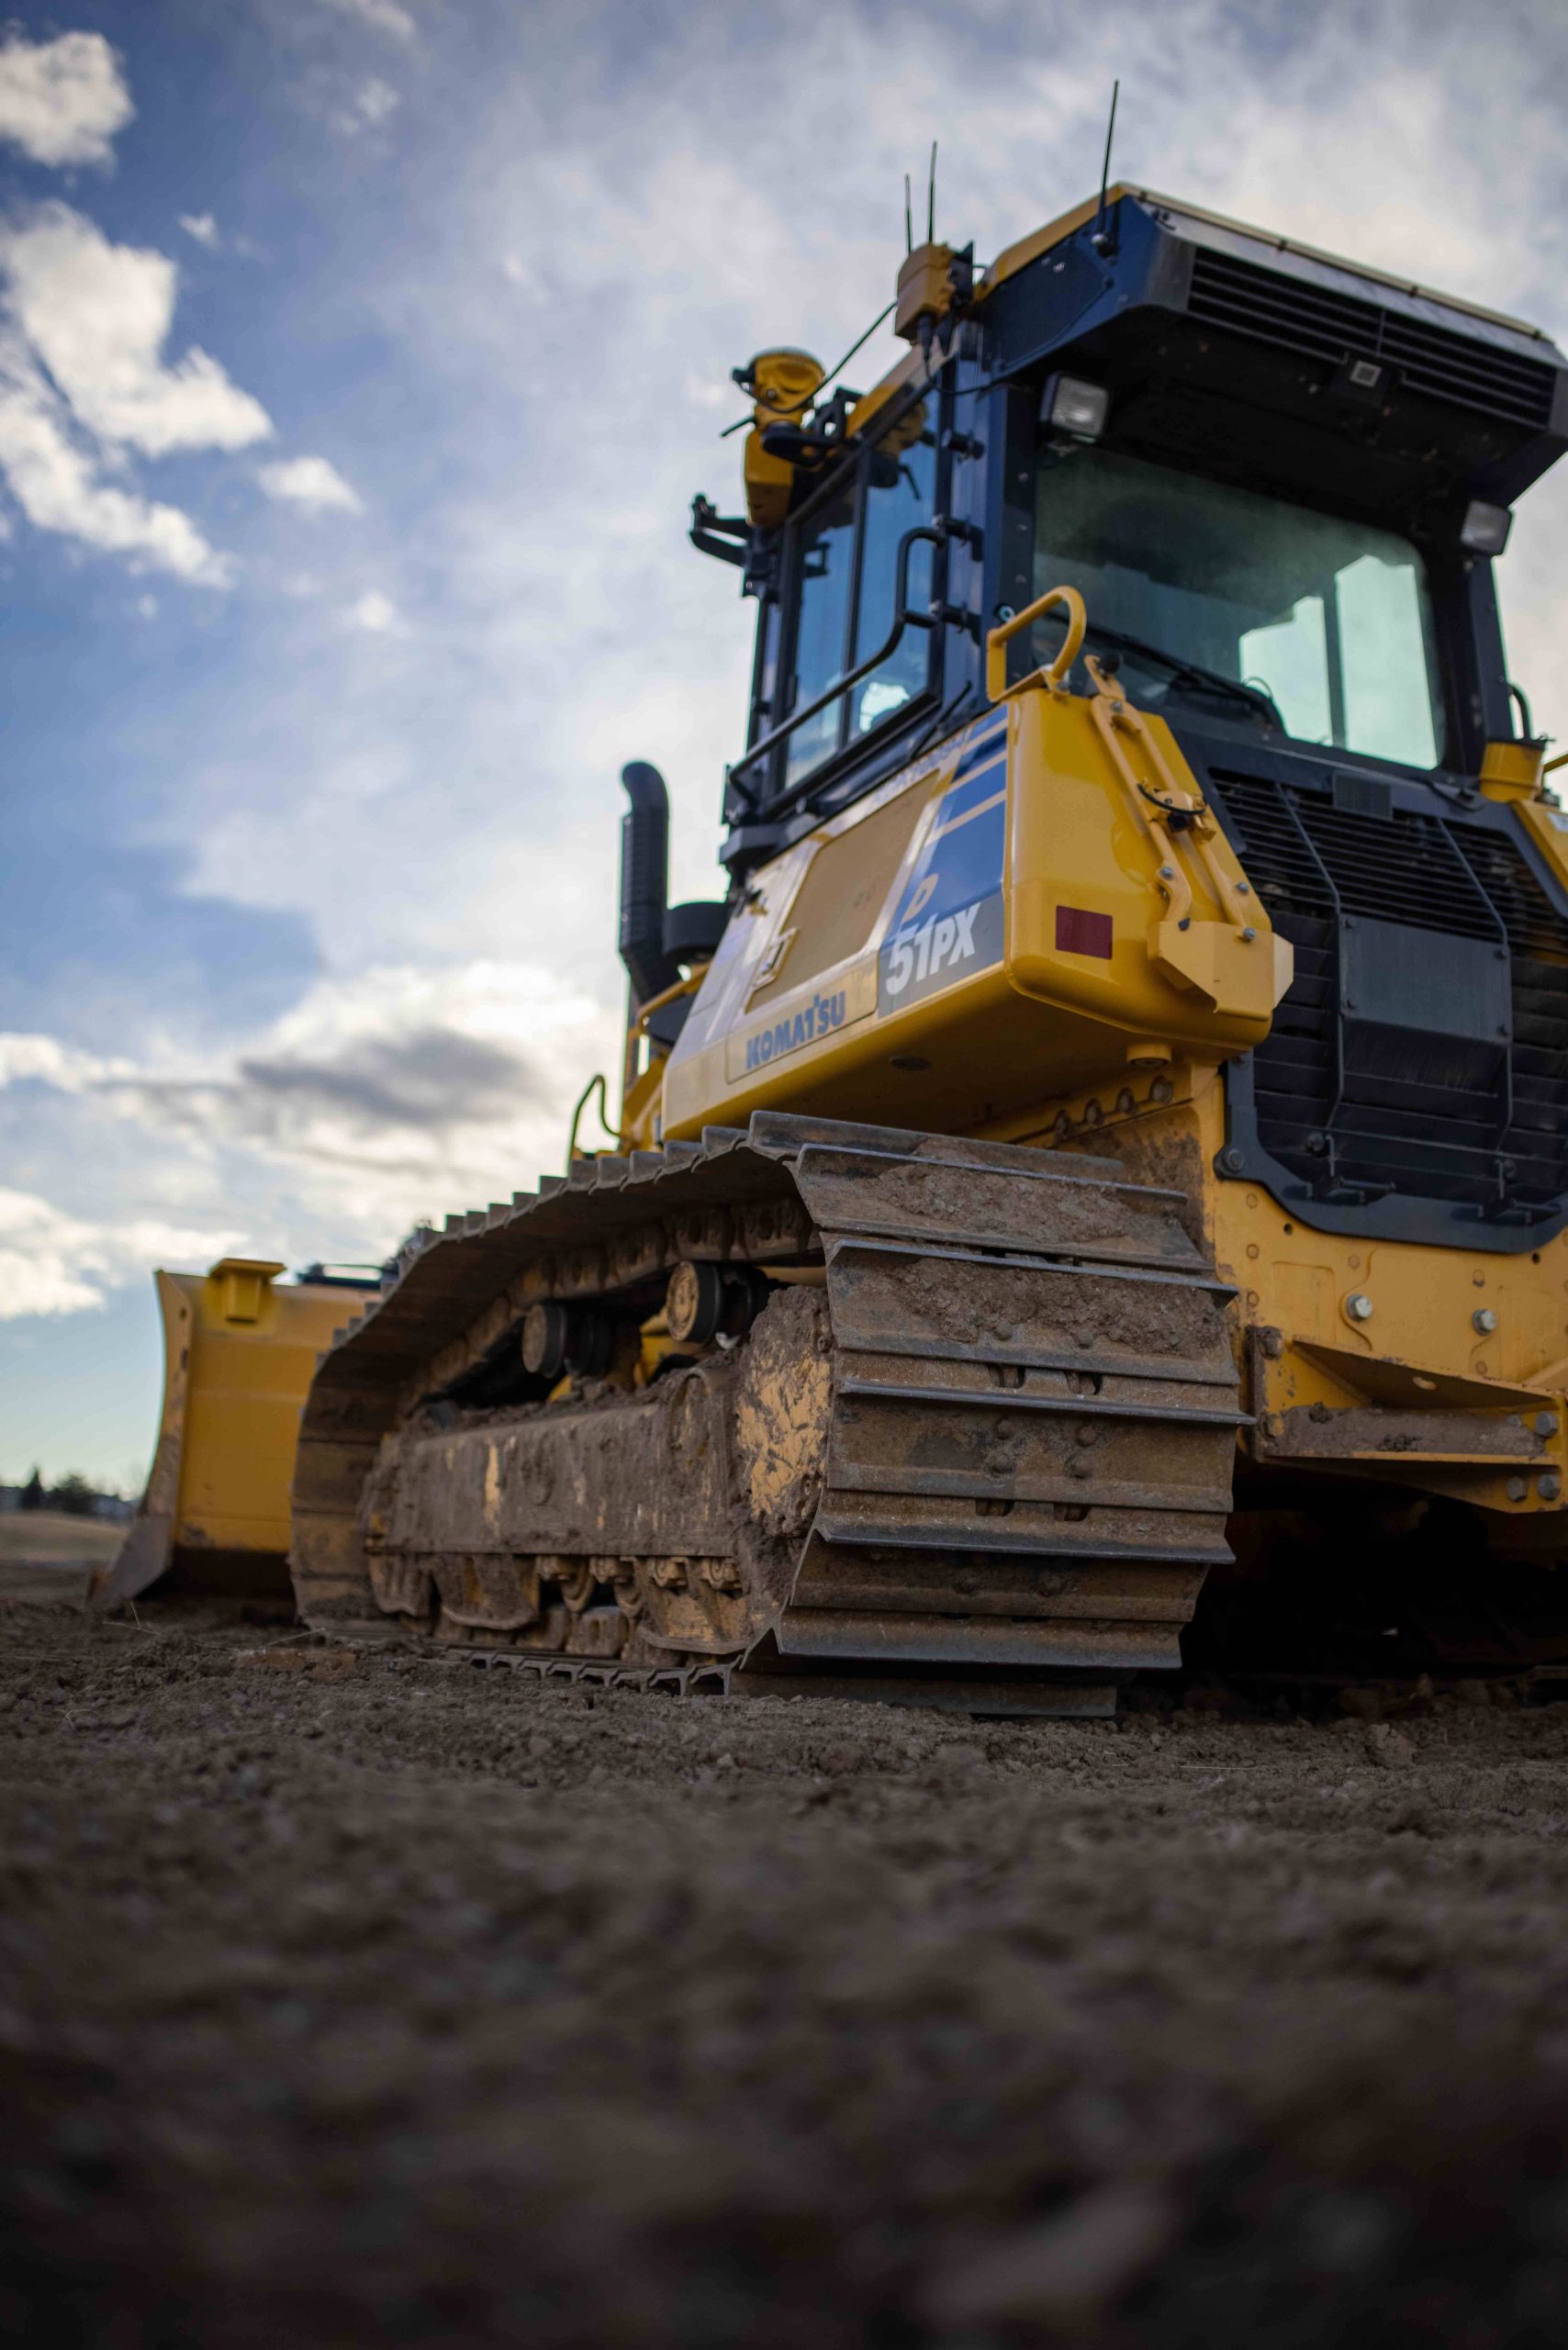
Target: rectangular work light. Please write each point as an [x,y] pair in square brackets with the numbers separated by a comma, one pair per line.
[1485,528]
[1069,405]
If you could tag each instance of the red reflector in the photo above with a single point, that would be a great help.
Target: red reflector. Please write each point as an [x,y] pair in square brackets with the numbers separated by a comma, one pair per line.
[1081,932]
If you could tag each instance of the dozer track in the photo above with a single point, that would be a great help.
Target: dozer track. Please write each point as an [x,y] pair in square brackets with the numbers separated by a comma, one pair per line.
[974,1448]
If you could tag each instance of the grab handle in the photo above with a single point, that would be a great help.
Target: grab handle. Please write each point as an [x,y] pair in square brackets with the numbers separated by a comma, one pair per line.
[997,641]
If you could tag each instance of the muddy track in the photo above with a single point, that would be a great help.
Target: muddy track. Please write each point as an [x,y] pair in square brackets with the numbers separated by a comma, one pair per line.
[972,1440]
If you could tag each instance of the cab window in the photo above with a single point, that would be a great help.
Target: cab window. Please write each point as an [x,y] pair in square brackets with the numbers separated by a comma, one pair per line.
[843,568]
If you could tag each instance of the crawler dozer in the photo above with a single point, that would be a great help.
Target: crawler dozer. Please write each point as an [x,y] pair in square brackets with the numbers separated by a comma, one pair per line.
[239,1346]
[1112,1136]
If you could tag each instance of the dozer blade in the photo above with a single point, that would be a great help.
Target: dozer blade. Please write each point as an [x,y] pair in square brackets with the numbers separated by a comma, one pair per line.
[239,1353]
[979,1436]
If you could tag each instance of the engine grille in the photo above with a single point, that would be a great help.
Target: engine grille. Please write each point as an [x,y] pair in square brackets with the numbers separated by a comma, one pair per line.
[1352,1131]
[1294,316]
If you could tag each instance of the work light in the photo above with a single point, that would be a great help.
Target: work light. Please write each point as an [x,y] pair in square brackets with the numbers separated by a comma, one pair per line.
[1069,405]
[1485,528]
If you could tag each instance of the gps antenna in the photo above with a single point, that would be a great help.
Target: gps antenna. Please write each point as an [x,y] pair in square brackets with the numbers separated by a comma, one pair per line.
[1100,240]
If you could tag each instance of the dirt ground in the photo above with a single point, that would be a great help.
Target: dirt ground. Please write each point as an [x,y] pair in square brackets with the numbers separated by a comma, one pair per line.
[351,2000]
[36,1544]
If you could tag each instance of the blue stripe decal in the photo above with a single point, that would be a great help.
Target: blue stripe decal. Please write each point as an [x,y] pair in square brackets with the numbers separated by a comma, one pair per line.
[960,799]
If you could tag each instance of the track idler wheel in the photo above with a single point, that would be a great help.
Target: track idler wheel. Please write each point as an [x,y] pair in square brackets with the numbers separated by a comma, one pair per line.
[557,1338]
[706,1301]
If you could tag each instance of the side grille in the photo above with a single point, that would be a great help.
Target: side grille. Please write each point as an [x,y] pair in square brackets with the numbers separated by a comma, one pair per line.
[1357,1108]
[1294,316]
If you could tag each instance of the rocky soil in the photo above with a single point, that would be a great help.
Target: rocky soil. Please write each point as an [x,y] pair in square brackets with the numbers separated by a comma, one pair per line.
[351,1999]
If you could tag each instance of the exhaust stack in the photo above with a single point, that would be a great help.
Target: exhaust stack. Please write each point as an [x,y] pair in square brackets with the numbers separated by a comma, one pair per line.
[645,882]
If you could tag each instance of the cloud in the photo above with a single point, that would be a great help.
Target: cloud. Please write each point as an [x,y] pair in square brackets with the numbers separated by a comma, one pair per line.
[381,16]
[47,1060]
[203,227]
[403,1091]
[313,482]
[54,1263]
[374,103]
[97,316]
[58,487]
[430,1079]
[62,101]
[375,613]
[83,382]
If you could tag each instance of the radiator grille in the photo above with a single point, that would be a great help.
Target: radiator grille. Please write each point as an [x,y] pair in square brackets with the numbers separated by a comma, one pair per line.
[1348,1133]
[1294,316]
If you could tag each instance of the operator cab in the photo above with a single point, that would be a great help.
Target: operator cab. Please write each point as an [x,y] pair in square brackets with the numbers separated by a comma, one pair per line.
[1278,480]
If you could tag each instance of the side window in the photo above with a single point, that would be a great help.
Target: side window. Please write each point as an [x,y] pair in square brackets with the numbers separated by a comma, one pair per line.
[901,487]
[826,575]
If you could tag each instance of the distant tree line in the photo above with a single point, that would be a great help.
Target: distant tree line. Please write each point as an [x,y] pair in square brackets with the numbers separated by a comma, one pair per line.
[73,1494]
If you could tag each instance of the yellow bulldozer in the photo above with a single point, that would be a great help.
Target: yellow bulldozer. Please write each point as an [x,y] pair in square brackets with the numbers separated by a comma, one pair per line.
[239,1346]
[1106,1154]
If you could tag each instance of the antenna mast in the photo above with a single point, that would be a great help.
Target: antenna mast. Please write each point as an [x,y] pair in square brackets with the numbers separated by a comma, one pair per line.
[1100,240]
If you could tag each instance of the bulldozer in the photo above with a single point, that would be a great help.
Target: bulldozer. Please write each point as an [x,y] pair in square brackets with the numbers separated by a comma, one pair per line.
[239,1346]
[1097,1178]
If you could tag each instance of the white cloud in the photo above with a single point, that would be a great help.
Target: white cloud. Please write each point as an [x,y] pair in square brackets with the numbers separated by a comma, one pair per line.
[61,101]
[97,316]
[203,227]
[313,482]
[381,16]
[54,1263]
[400,1090]
[374,103]
[59,486]
[49,1061]
[84,381]
[375,613]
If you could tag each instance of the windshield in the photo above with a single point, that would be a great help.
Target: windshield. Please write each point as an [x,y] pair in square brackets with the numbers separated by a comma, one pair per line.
[1327,622]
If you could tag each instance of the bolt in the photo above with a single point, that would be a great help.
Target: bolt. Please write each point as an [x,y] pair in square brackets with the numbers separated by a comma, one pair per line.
[1244,889]
[1483,1320]
[1549,1487]
[1248,936]
[1230,1160]
[1517,1489]
[1167,873]
[1359,1305]
[1546,1424]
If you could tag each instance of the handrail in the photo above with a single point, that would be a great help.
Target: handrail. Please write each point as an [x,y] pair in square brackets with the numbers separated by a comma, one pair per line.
[862,669]
[998,640]
[585,1097]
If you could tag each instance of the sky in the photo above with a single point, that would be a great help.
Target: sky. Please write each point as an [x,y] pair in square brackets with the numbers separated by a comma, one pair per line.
[358,362]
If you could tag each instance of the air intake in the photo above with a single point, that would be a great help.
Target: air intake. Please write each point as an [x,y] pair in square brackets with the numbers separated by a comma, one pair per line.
[1295,316]
[1422,1048]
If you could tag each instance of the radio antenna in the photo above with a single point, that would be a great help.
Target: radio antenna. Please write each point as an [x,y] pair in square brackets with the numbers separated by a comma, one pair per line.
[931,199]
[908,218]
[1098,239]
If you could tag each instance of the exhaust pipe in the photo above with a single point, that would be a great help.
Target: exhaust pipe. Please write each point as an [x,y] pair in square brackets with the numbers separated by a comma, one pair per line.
[645,882]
